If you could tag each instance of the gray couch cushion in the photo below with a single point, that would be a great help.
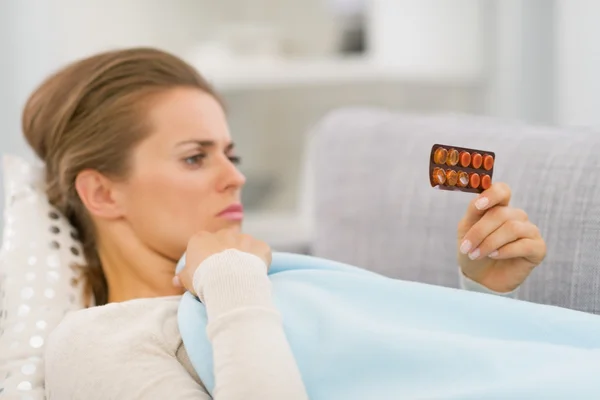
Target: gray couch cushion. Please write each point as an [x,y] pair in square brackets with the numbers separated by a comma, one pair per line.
[374,206]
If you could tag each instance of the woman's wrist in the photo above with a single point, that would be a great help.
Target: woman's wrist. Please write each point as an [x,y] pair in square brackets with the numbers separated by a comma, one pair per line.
[231,279]
[469,284]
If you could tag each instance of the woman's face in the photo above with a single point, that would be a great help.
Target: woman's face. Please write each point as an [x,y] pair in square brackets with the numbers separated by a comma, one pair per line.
[184,176]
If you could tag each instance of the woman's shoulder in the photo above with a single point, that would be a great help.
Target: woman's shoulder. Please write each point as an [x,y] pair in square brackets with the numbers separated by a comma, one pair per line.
[126,315]
[89,355]
[119,325]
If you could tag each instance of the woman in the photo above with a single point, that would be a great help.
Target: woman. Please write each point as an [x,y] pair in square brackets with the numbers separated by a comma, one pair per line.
[140,159]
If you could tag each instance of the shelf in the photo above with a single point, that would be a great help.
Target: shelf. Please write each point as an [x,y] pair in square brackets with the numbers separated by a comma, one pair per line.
[241,75]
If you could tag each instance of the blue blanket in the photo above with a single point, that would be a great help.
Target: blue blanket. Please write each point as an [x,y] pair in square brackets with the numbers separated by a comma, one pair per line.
[359,335]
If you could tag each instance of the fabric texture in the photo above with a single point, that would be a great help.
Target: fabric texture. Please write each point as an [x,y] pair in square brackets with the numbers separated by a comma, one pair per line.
[356,335]
[38,284]
[374,207]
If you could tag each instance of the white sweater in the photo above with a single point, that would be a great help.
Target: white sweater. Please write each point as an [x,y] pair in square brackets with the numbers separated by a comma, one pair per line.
[133,350]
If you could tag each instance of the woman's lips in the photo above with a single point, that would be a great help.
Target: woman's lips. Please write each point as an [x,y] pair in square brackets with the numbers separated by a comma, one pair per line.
[234,212]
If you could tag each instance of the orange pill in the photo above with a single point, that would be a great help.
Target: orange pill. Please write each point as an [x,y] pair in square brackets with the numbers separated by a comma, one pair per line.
[465,158]
[474,180]
[452,157]
[440,155]
[451,177]
[463,179]
[439,177]
[488,162]
[476,160]
[486,182]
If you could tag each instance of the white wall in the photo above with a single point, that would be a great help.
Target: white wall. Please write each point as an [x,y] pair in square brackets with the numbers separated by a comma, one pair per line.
[424,35]
[578,62]
[25,60]
[511,44]
[27,56]
[520,60]
[86,27]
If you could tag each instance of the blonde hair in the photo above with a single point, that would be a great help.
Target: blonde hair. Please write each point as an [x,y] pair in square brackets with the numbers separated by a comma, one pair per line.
[90,115]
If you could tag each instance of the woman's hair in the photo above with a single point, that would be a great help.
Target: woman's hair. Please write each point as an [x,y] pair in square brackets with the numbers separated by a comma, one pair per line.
[90,115]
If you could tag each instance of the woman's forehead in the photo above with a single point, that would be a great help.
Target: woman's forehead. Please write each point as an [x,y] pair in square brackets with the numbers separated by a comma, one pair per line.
[187,115]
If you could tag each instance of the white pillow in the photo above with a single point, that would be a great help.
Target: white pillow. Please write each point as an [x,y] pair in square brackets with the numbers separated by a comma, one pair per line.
[38,285]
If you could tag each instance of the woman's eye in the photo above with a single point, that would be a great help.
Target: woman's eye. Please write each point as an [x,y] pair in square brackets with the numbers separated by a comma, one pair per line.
[194,160]
[197,160]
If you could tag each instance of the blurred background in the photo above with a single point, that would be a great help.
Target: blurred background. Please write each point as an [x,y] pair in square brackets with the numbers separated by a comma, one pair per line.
[283,64]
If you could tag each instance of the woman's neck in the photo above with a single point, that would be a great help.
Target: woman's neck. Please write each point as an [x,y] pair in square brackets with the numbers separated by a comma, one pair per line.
[134,271]
[124,287]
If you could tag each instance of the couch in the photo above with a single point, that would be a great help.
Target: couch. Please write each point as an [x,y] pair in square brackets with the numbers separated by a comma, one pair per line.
[373,205]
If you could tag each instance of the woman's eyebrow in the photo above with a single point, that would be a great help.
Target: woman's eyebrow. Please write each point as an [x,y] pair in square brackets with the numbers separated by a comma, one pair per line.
[205,143]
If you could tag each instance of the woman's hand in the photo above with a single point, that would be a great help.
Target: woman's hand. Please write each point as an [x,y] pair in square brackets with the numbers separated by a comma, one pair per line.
[205,244]
[498,246]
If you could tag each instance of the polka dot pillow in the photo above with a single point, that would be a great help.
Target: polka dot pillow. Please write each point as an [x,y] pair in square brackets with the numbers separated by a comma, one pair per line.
[38,281]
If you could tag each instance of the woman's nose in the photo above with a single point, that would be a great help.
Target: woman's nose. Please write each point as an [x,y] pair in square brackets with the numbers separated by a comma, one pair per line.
[231,177]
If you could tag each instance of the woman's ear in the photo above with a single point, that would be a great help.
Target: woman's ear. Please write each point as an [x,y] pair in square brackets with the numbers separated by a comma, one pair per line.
[98,194]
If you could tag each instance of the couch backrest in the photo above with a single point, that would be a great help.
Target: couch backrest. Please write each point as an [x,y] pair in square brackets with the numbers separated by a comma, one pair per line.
[374,206]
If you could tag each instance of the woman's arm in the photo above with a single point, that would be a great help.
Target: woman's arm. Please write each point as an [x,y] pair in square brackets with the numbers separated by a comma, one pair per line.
[252,358]
[227,270]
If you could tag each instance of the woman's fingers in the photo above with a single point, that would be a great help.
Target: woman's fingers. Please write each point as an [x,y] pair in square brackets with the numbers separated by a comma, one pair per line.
[532,250]
[489,223]
[511,231]
[498,194]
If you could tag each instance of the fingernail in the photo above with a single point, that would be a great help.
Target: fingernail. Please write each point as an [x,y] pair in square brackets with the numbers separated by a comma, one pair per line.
[465,246]
[493,254]
[176,281]
[474,254]
[481,203]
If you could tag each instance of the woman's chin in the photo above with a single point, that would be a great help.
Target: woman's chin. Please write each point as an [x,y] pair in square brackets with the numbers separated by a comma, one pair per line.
[230,224]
